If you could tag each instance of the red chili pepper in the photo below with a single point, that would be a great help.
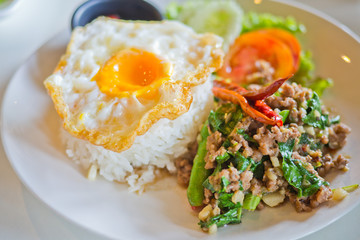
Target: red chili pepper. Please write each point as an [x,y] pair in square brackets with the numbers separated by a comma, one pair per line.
[266,109]
[252,95]
[236,98]
[267,91]
[230,86]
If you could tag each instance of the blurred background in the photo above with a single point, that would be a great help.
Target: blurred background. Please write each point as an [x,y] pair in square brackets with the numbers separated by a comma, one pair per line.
[23,30]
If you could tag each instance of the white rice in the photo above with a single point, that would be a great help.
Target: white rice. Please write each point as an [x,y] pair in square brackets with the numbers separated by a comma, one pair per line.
[158,148]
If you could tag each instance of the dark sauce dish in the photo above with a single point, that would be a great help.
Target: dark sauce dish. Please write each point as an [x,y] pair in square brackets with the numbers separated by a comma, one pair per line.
[123,9]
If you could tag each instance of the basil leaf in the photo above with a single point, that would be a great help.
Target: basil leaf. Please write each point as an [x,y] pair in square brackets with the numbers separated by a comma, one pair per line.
[225,201]
[315,118]
[296,174]
[306,139]
[246,136]
[227,143]
[225,118]
[224,182]
[286,148]
[222,158]
[258,169]
[241,162]
[216,170]
[230,217]
[235,118]
[241,185]
[208,185]
[215,120]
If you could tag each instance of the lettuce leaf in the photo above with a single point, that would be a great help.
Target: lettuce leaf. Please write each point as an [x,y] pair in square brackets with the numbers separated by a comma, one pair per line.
[253,21]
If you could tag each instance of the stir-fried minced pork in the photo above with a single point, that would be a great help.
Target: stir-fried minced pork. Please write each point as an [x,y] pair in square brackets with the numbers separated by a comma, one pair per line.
[305,142]
[184,165]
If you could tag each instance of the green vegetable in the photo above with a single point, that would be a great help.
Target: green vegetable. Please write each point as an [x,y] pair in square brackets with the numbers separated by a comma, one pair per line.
[351,188]
[286,149]
[225,118]
[251,202]
[284,114]
[227,143]
[225,201]
[258,169]
[223,18]
[199,174]
[231,212]
[232,216]
[253,21]
[315,117]
[242,163]
[216,119]
[222,158]
[296,174]
[216,170]
[306,139]
[246,136]
[208,185]
[224,182]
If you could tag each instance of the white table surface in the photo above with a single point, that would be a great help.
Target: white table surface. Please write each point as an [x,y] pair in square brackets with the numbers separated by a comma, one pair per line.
[32,23]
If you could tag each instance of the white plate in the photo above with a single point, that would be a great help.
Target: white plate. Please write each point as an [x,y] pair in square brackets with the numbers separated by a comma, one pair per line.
[30,137]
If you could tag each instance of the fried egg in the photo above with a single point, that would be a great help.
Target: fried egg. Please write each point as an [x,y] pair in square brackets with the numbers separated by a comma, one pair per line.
[118,78]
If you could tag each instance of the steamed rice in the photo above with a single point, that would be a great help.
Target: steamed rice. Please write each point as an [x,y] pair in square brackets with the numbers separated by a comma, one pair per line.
[157,149]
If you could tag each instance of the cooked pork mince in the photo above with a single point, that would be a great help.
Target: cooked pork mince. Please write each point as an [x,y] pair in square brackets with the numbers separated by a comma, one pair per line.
[251,164]
[184,164]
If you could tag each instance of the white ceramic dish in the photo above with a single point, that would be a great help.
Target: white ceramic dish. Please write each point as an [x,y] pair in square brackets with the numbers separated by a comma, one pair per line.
[30,137]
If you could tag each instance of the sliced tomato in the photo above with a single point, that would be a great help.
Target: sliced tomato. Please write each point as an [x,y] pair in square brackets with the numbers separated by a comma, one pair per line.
[290,40]
[280,49]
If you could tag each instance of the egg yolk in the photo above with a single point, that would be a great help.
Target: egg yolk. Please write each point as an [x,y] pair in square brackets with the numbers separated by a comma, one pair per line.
[133,72]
